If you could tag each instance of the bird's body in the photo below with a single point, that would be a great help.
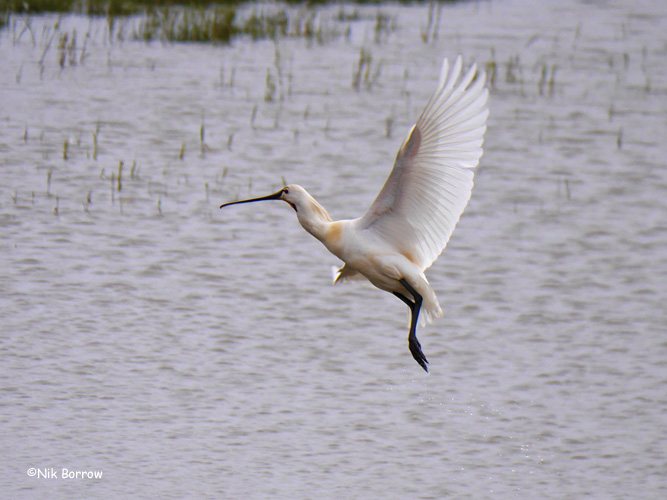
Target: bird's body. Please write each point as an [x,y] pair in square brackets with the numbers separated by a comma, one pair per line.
[364,252]
[411,220]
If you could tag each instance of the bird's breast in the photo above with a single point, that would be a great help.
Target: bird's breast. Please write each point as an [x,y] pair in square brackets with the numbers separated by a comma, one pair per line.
[334,239]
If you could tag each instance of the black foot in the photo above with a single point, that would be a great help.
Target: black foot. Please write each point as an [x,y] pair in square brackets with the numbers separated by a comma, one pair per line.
[416,350]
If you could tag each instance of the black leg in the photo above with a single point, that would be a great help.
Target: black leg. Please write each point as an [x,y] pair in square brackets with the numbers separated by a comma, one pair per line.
[415,307]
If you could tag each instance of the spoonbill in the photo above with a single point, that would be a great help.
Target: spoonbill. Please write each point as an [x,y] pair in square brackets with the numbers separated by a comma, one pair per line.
[410,222]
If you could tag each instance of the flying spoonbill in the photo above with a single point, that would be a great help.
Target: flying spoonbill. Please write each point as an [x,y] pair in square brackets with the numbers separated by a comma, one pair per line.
[410,222]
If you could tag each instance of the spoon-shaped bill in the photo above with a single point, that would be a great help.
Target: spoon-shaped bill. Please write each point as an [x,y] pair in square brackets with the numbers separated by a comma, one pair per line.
[274,196]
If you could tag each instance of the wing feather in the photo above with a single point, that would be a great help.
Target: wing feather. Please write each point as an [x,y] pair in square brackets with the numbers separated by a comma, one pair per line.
[432,179]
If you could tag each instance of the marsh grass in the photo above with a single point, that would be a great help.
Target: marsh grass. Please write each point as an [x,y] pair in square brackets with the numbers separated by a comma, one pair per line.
[514,73]
[89,200]
[364,72]
[221,24]
[260,25]
[95,135]
[270,93]
[49,175]
[430,31]
[201,21]
[188,25]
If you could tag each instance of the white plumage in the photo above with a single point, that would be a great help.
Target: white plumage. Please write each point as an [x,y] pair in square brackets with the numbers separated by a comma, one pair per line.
[410,222]
[432,179]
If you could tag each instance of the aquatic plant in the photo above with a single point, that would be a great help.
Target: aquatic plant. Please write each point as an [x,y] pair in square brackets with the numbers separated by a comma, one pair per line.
[363,73]
[216,21]
[363,68]
[430,31]
[270,93]
[89,200]
[491,70]
[95,135]
[188,25]
[261,25]
[543,80]
[49,174]
[513,67]
[35,6]
[222,24]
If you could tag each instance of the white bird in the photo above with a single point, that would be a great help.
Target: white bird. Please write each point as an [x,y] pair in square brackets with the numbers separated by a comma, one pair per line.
[410,222]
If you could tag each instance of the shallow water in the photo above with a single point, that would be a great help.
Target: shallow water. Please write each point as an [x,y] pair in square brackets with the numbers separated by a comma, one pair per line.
[186,352]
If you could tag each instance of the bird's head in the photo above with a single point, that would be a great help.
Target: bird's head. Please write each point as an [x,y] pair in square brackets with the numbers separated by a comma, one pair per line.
[312,216]
[293,194]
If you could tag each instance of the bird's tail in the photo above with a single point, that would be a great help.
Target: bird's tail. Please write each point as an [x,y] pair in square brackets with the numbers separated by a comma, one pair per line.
[430,311]
[430,306]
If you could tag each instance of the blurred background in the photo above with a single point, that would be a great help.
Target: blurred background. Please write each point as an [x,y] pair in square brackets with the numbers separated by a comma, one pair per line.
[187,352]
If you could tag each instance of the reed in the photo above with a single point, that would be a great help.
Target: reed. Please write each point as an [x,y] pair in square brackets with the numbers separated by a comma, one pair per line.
[188,25]
[89,200]
[253,115]
[95,135]
[552,80]
[261,25]
[389,126]
[270,93]
[48,181]
[384,25]
[62,47]
[513,69]
[204,21]
[363,69]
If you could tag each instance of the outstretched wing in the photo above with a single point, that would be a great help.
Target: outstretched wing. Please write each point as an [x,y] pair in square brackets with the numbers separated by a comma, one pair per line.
[431,182]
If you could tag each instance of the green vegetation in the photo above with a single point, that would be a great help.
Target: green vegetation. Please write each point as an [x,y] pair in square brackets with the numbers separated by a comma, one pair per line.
[125,7]
[122,7]
[188,25]
[222,24]
[205,21]
[89,7]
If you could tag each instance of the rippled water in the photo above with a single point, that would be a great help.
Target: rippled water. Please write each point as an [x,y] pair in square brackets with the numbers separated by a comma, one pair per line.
[191,353]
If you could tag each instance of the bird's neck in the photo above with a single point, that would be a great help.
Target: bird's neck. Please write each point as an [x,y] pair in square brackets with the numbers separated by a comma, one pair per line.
[314,218]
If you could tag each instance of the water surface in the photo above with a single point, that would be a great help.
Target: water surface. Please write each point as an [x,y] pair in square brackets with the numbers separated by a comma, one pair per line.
[188,352]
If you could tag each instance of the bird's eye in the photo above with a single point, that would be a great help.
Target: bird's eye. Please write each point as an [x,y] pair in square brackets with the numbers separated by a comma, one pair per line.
[285,191]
